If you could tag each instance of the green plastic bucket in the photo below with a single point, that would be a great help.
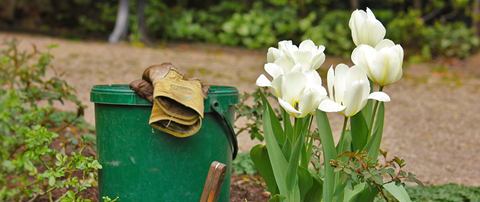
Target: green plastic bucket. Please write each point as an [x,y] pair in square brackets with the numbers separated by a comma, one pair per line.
[141,163]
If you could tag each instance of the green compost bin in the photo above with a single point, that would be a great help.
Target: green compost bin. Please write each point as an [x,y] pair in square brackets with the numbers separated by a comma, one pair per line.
[141,163]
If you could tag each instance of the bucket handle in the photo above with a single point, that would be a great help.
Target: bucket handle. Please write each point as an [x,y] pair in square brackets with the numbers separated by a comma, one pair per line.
[215,106]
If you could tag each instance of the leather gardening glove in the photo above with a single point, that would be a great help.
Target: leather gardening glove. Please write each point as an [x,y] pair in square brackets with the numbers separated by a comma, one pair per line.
[143,89]
[178,102]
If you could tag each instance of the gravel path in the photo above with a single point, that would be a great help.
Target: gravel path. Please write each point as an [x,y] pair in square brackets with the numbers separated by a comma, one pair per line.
[432,121]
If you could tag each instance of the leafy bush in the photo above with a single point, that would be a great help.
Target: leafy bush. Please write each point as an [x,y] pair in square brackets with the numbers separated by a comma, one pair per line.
[260,27]
[443,193]
[188,24]
[332,31]
[427,41]
[446,193]
[32,166]
[243,164]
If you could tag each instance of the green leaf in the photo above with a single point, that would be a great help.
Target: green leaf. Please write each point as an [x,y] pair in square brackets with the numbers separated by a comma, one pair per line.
[3,193]
[293,163]
[287,149]
[29,165]
[329,153]
[368,109]
[278,161]
[277,198]
[287,124]
[377,134]
[349,193]
[398,192]
[359,131]
[51,181]
[316,191]
[276,126]
[305,181]
[367,194]
[259,156]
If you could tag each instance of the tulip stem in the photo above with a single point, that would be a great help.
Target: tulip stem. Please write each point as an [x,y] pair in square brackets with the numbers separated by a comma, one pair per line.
[340,143]
[309,146]
[374,114]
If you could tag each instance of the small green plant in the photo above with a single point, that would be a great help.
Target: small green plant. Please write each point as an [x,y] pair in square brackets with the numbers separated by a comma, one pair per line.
[253,113]
[243,164]
[33,165]
[108,199]
[445,193]
[359,169]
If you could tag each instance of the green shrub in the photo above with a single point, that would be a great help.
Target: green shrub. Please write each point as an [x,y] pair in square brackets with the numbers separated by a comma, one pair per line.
[427,41]
[243,164]
[32,166]
[260,27]
[443,193]
[333,32]
[188,24]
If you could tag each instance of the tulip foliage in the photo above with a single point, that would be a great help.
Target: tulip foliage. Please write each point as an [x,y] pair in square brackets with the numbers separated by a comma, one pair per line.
[350,171]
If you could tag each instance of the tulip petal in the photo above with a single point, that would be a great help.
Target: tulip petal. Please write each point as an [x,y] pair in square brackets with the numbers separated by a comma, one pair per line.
[380,96]
[388,67]
[340,82]
[289,108]
[273,54]
[357,19]
[371,32]
[370,14]
[294,86]
[364,56]
[386,43]
[307,45]
[263,81]
[356,96]
[277,84]
[273,69]
[297,68]
[285,64]
[328,105]
[330,81]
[309,102]
[302,56]
[355,73]
[315,81]
[318,60]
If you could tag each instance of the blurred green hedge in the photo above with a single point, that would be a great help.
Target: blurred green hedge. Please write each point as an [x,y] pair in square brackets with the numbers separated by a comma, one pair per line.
[425,28]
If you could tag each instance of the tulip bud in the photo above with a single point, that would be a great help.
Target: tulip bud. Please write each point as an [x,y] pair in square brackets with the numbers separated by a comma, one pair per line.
[366,29]
[382,64]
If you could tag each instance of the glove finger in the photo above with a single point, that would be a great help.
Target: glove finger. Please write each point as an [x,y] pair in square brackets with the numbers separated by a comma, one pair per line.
[159,71]
[205,89]
[143,89]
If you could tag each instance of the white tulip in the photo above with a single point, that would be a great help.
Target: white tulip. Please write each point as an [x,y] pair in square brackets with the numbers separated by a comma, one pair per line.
[290,58]
[307,54]
[383,64]
[366,29]
[300,93]
[350,88]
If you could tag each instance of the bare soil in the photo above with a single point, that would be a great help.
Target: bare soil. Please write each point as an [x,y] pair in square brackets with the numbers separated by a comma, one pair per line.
[432,121]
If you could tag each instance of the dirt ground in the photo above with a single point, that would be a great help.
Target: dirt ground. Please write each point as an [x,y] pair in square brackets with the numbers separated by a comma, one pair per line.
[432,121]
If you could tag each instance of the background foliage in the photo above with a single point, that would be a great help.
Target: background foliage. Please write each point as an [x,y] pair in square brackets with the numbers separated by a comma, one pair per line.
[42,149]
[426,28]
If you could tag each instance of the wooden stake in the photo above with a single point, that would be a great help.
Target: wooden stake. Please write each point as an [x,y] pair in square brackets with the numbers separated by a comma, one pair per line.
[214,182]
